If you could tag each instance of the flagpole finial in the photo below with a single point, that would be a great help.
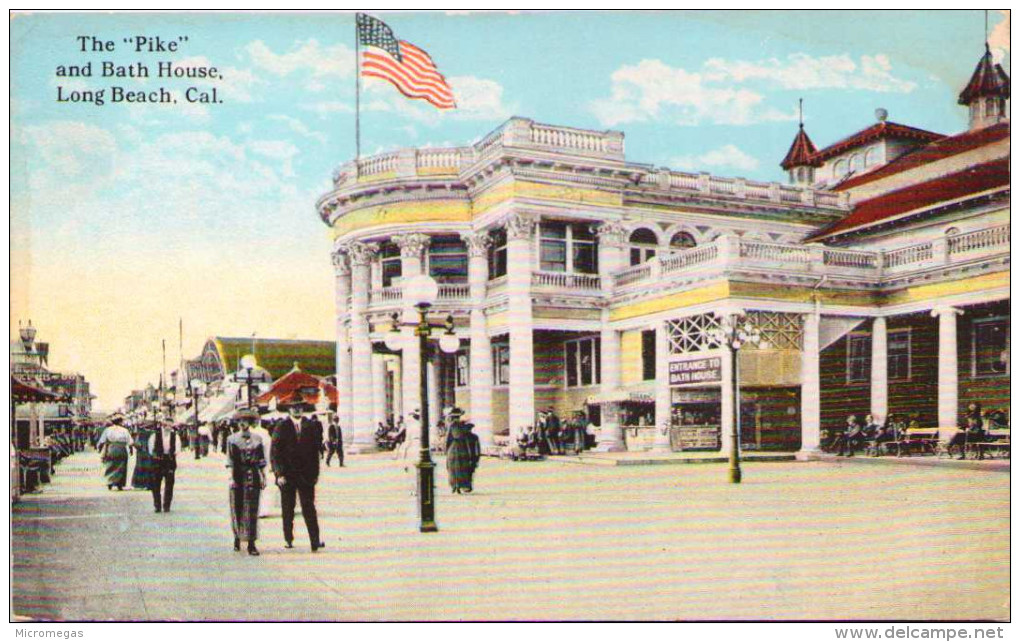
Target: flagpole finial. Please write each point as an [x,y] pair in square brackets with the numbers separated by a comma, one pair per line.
[800,112]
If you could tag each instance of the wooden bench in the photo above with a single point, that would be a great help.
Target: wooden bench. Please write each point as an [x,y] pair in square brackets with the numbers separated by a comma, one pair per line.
[995,440]
[920,440]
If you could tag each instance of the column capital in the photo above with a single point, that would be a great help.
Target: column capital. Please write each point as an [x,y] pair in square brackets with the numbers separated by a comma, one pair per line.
[478,243]
[412,244]
[941,310]
[611,233]
[519,227]
[359,253]
[341,264]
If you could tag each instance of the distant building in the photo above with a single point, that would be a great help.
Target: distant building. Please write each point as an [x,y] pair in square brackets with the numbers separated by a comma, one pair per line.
[29,361]
[221,357]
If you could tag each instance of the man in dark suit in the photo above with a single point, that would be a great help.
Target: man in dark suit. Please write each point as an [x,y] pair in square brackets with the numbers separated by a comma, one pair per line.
[297,443]
[335,442]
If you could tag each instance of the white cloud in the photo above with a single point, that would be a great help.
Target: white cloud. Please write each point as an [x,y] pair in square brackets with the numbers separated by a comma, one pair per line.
[72,151]
[998,40]
[299,127]
[326,108]
[801,71]
[310,56]
[652,90]
[278,150]
[729,156]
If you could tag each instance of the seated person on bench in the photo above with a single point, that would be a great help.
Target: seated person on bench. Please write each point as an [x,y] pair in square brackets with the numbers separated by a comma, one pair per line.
[972,432]
[851,438]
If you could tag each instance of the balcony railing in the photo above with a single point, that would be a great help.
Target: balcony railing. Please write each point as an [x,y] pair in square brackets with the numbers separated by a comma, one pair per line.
[731,252]
[567,280]
[454,291]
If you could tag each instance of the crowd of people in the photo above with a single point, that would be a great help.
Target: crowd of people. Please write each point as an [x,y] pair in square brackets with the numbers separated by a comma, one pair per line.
[551,436]
[869,433]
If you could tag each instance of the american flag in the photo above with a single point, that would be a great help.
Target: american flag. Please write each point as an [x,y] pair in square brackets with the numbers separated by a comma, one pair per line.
[409,68]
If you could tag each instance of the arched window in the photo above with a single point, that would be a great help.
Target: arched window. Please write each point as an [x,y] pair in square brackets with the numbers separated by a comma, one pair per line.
[856,162]
[952,231]
[682,241]
[839,169]
[871,157]
[643,245]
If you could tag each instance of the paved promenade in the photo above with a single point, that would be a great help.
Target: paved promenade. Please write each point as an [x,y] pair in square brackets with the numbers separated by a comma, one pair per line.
[538,540]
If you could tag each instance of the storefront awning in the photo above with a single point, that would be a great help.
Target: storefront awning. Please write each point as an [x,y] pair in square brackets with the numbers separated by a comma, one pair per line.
[621,396]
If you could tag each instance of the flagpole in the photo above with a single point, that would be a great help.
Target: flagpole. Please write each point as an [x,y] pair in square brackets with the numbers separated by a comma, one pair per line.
[357,95]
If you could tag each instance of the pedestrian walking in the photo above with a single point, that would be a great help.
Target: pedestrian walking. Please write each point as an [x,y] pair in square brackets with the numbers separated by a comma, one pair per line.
[115,446]
[246,459]
[463,451]
[335,441]
[295,460]
[163,445]
[268,502]
[145,467]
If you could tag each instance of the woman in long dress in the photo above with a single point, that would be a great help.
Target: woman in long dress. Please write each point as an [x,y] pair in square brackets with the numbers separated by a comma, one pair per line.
[115,446]
[246,457]
[462,453]
[145,465]
[268,502]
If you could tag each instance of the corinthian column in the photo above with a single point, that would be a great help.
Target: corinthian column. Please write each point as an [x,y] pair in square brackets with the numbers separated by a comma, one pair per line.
[520,231]
[342,289]
[412,246]
[361,255]
[612,241]
[480,355]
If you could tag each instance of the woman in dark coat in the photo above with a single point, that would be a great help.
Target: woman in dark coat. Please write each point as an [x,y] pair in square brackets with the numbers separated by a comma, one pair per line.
[463,451]
[246,457]
[145,465]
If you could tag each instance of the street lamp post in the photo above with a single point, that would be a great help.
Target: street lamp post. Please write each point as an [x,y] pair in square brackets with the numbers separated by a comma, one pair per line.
[735,331]
[422,291]
[249,373]
[196,387]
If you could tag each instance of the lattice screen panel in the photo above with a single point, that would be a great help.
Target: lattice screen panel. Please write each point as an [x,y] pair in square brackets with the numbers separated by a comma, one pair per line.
[782,330]
[691,334]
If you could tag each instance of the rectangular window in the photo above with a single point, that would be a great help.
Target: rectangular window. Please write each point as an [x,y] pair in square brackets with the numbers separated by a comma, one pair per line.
[899,355]
[448,259]
[648,355]
[553,246]
[462,369]
[501,364]
[585,249]
[391,266]
[497,254]
[568,248]
[582,361]
[858,358]
[991,348]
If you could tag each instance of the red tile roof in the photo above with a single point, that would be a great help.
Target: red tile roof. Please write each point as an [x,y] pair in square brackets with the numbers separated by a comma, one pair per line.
[973,180]
[800,152]
[942,148]
[294,387]
[883,129]
[988,79]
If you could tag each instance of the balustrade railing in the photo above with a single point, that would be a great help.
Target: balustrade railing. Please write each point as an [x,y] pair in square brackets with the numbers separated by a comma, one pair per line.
[677,261]
[567,280]
[438,158]
[907,255]
[762,251]
[979,240]
[454,291]
[386,295]
[851,259]
[380,164]
[632,274]
[568,138]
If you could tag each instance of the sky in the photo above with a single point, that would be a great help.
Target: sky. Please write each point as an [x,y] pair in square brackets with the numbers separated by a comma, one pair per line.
[127,219]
